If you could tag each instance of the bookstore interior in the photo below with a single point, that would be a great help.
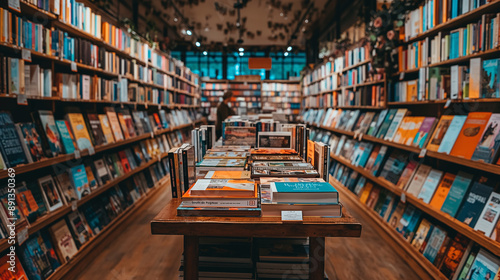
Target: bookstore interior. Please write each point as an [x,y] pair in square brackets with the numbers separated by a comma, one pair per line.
[239,139]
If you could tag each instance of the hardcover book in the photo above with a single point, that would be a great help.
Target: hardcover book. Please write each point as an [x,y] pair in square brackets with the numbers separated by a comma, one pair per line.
[439,132]
[228,175]
[223,187]
[66,140]
[80,180]
[474,204]
[430,185]
[435,242]
[457,193]
[489,216]
[10,145]
[407,174]
[418,179]
[304,192]
[51,195]
[80,227]
[106,128]
[487,149]
[79,129]
[65,245]
[470,135]
[32,140]
[451,134]
[442,191]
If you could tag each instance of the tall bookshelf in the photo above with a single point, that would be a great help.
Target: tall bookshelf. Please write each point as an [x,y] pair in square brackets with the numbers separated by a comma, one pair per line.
[423,91]
[251,97]
[95,66]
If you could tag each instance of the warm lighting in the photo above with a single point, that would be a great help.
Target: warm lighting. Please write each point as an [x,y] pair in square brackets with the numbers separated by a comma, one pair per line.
[189,33]
[289,49]
[241,49]
[198,44]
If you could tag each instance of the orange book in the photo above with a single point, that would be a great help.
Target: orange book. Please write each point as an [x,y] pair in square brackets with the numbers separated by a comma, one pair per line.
[442,191]
[310,151]
[366,192]
[412,130]
[401,132]
[439,132]
[411,91]
[470,134]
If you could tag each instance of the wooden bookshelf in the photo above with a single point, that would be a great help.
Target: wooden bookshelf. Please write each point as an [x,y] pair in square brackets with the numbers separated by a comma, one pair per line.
[442,101]
[345,69]
[451,222]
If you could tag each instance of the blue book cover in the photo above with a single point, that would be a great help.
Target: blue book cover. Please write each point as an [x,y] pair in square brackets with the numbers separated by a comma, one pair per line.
[454,36]
[430,185]
[80,180]
[387,122]
[66,140]
[434,244]
[490,85]
[474,204]
[378,160]
[454,8]
[457,193]
[304,187]
[451,134]
[38,258]
[10,145]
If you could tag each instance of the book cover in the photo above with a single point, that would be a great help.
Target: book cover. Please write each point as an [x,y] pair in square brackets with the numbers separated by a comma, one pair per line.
[421,234]
[384,126]
[397,214]
[106,128]
[365,192]
[485,266]
[66,186]
[474,203]
[457,193]
[422,136]
[129,123]
[379,160]
[63,240]
[228,175]
[26,202]
[418,179]
[96,129]
[6,268]
[475,78]
[80,227]
[80,180]
[434,244]
[223,187]
[396,122]
[470,134]
[32,140]
[38,257]
[11,148]
[90,177]
[115,125]
[451,134]
[407,174]
[430,185]
[124,161]
[376,123]
[442,191]
[490,82]
[373,197]
[394,166]
[439,132]
[80,131]
[51,195]
[301,191]
[487,149]
[66,139]
[454,255]
[489,216]
[50,135]
[227,155]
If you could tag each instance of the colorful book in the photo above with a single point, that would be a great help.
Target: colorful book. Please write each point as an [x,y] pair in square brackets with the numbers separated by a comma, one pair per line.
[474,204]
[51,194]
[50,135]
[489,216]
[422,136]
[490,83]
[6,265]
[470,135]
[66,140]
[418,179]
[487,149]
[442,191]
[32,140]
[223,187]
[38,257]
[396,122]
[80,180]
[454,255]
[80,131]
[439,132]
[63,240]
[457,193]
[434,244]
[11,147]
[485,266]
[106,128]
[451,135]
[407,174]
[96,130]
[304,192]
[386,123]
[115,125]
[421,234]
[228,175]
[430,185]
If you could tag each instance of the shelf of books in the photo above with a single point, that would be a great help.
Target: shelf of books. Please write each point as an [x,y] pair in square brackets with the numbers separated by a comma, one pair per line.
[251,97]
[345,82]
[425,165]
[89,113]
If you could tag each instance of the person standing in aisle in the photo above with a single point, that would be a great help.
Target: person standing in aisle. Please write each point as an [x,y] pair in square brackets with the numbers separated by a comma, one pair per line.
[223,111]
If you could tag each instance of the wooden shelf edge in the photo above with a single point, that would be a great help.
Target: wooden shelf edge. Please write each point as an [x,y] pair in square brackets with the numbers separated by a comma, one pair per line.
[407,250]
[88,247]
[451,222]
[442,101]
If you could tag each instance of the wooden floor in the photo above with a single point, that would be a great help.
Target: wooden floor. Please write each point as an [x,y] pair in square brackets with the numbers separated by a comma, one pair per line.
[136,254]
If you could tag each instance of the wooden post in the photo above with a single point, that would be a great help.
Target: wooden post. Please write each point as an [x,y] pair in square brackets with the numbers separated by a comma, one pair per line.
[316,258]
[191,257]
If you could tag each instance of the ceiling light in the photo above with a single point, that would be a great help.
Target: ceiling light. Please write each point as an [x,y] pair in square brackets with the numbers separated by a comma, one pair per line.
[285,54]
[183,31]
[306,21]
[242,53]
[241,49]
[205,52]
[198,44]
[289,49]
[189,33]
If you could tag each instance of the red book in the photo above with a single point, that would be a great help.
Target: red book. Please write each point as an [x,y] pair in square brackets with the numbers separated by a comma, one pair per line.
[124,161]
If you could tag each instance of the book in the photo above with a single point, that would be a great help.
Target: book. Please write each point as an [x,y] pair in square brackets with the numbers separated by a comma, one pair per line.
[474,203]
[487,148]
[285,173]
[276,157]
[278,140]
[418,180]
[422,137]
[226,155]
[38,256]
[7,271]
[451,134]
[228,175]
[114,124]
[80,180]
[80,227]
[490,83]
[470,134]
[384,126]
[11,147]
[375,169]
[442,191]
[365,192]
[66,187]
[489,216]
[394,166]
[186,211]
[430,185]
[31,140]
[96,129]
[396,122]
[439,132]
[454,254]
[435,242]
[407,174]
[475,78]
[485,266]
[457,193]
[51,194]
[223,187]
[303,192]
[276,165]
[264,151]
[80,131]
[26,202]
[421,234]
[66,140]
[63,240]
[51,139]
[106,128]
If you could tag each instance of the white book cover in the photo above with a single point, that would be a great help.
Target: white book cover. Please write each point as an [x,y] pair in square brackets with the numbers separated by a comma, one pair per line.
[489,217]
[396,122]
[454,82]
[430,185]
[418,179]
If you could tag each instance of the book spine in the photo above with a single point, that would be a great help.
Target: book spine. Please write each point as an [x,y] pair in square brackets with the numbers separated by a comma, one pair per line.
[185,171]
[173,179]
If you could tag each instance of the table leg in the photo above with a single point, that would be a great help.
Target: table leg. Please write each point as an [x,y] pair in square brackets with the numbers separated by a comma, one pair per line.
[191,257]
[316,258]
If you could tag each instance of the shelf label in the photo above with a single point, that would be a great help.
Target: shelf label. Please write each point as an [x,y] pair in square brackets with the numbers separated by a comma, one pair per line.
[22,235]
[26,55]
[77,154]
[15,5]
[291,215]
[91,150]
[152,134]
[422,153]
[448,103]
[159,107]
[135,106]
[73,66]
[403,197]
[121,105]
[159,158]
[74,205]
[401,75]
[355,135]
[360,137]
[145,105]
[22,99]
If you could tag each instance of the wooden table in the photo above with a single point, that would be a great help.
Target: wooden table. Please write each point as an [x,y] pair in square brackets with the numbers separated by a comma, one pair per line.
[168,223]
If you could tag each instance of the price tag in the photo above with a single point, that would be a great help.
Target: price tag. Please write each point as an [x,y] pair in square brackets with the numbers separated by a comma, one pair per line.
[22,99]
[15,5]
[422,153]
[401,75]
[152,134]
[159,107]
[74,205]
[91,150]
[360,137]
[121,105]
[146,105]
[355,135]
[22,235]
[354,88]
[26,55]
[159,157]
[73,66]
[291,215]
[403,197]
[77,154]
[448,103]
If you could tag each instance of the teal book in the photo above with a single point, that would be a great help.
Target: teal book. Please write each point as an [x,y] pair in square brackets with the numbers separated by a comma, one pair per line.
[434,244]
[379,160]
[490,81]
[451,134]
[80,180]
[386,123]
[430,185]
[304,192]
[376,123]
[66,140]
[474,203]
[457,193]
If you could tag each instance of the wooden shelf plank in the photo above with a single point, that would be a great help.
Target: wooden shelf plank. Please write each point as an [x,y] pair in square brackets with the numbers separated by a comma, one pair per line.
[442,101]
[451,222]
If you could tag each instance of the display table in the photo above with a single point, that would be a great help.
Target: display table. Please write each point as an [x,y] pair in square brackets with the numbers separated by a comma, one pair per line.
[168,223]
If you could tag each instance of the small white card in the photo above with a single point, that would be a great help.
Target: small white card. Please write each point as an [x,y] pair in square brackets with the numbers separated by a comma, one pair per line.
[73,67]
[403,197]
[291,215]
[22,235]
[26,54]
[422,153]
[91,150]
[77,154]
[15,5]
[74,205]
[22,99]
[448,103]
[401,75]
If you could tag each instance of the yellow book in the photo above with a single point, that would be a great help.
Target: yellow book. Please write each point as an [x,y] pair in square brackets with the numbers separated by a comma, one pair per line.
[366,192]
[401,132]
[412,130]
[310,151]
[106,129]
[115,125]
[80,131]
